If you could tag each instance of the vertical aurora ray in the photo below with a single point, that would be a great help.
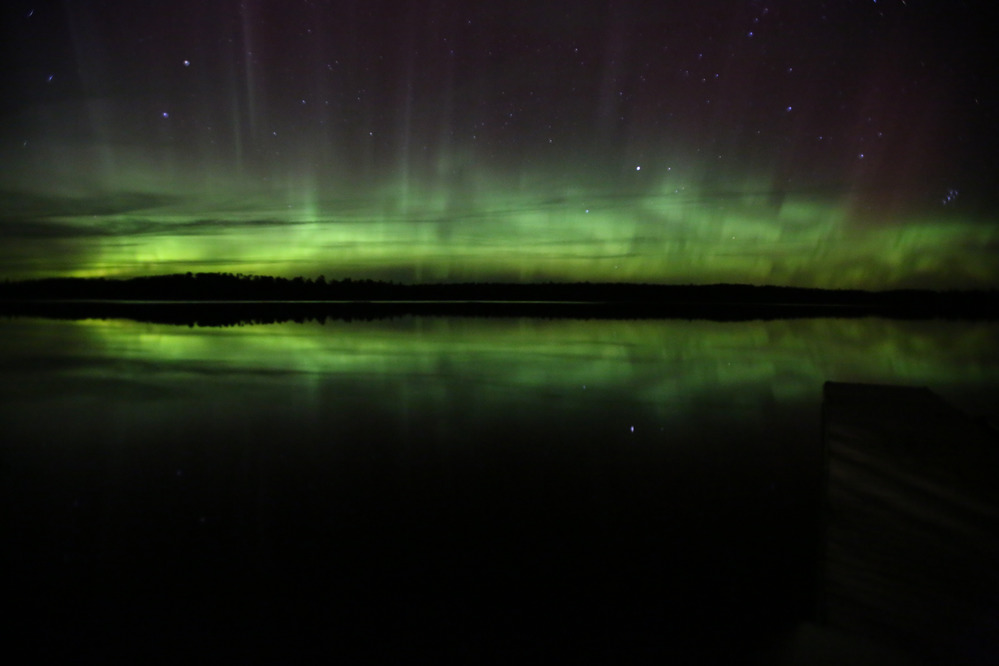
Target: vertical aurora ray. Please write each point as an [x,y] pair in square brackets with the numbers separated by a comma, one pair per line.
[519,143]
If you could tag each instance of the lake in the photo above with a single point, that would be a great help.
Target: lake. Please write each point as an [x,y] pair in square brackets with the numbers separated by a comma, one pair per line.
[468,489]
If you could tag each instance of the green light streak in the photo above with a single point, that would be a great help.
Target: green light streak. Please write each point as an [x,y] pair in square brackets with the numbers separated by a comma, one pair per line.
[666,365]
[519,232]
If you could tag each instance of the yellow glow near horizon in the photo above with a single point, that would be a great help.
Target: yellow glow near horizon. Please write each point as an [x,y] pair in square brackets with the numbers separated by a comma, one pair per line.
[563,235]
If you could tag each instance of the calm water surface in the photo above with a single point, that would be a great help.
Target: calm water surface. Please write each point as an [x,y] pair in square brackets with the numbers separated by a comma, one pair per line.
[476,489]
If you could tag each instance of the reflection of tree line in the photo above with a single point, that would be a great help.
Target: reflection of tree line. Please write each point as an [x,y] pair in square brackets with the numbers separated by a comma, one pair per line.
[222,299]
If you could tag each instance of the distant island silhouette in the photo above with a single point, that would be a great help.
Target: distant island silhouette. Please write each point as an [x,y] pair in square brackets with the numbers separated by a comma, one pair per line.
[219,299]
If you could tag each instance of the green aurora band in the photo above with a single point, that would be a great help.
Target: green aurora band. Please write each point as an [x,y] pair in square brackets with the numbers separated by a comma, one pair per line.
[831,145]
[657,230]
[499,365]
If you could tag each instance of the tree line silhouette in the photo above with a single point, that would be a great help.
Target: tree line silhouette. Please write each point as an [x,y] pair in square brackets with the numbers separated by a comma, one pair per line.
[226,298]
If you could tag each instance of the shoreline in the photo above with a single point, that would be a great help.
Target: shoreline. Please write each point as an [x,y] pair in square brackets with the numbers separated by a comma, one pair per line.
[235,312]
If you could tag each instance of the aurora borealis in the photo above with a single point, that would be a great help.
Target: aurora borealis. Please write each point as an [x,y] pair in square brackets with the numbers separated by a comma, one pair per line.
[818,144]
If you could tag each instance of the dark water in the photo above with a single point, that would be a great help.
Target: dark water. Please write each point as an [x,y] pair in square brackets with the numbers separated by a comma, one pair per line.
[431,488]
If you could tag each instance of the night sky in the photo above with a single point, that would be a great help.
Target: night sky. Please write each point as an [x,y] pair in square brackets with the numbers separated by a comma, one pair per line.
[847,143]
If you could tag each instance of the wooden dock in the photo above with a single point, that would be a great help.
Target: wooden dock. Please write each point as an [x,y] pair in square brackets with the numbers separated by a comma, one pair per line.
[909,562]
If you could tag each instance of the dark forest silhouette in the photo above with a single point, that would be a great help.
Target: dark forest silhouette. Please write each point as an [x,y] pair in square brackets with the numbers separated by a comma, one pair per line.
[226,299]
